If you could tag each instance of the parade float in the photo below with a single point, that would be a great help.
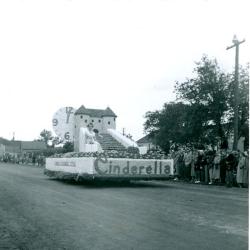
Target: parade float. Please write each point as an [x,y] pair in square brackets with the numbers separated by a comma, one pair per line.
[100,151]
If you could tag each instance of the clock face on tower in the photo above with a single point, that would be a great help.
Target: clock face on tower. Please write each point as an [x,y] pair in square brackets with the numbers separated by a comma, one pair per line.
[63,123]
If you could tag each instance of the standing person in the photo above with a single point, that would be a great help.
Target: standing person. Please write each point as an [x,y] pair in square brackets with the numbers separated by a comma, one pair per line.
[194,159]
[33,157]
[90,134]
[178,163]
[210,165]
[231,164]
[199,167]
[181,164]
[187,161]
[242,170]
[216,167]
[246,172]
[205,163]
[174,155]
[203,166]
[223,166]
[89,138]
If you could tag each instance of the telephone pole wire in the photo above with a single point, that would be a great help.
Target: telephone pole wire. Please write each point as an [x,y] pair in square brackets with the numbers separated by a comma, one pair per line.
[236,44]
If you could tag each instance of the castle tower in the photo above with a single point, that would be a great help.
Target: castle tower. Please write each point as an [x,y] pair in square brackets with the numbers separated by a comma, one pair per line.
[102,119]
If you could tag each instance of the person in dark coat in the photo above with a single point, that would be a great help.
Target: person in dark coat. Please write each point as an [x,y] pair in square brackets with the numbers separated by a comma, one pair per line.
[200,167]
[231,165]
[223,166]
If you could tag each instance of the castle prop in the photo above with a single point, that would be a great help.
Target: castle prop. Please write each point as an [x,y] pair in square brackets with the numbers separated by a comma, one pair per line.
[100,151]
[74,125]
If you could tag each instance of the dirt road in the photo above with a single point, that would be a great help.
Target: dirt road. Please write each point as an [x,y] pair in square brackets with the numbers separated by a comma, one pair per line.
[39,213]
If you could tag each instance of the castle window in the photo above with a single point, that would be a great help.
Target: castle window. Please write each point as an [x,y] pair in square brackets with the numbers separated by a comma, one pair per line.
[108,123]
[114,119]
[81,116]
[99,121]
[92,120]
[86,121]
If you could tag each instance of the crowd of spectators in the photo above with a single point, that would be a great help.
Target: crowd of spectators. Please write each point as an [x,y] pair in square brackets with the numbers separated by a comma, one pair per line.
[209,166]
[28,158]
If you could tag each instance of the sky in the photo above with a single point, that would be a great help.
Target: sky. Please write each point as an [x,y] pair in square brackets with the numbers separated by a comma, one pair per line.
[123,54]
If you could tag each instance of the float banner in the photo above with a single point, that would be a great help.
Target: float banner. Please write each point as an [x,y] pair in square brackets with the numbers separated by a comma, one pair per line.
[133,167]
[71,165]
[120,167]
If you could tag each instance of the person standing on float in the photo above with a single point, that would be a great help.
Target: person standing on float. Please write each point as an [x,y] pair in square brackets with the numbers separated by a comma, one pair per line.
[90,137]
[90,134]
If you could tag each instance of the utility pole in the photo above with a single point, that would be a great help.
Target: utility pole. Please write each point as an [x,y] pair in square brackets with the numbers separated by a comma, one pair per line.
[236,44]
[13,138]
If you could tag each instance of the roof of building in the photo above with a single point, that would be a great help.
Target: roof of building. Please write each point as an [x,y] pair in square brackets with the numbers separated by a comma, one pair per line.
[33,145]
[145,139]
[95,112]
[24,145]
[3,141]
[9,143]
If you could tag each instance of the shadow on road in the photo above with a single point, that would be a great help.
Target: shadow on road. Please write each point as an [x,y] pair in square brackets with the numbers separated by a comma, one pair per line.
[111,184]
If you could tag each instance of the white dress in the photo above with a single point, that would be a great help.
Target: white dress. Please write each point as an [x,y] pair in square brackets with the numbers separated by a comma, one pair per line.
[88,138]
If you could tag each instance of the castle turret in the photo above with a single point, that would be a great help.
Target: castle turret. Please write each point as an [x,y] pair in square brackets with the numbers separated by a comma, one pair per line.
[109,119]
[81,120]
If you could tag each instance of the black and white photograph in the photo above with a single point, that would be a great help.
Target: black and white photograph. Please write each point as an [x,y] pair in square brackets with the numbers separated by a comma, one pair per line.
[124,124]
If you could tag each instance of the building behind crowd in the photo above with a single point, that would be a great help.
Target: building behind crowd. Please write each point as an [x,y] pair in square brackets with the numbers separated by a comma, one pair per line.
[146,141]
[20,147]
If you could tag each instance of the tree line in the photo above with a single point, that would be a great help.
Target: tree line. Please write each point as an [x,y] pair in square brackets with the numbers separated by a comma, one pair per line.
[53,141]
[203,110]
